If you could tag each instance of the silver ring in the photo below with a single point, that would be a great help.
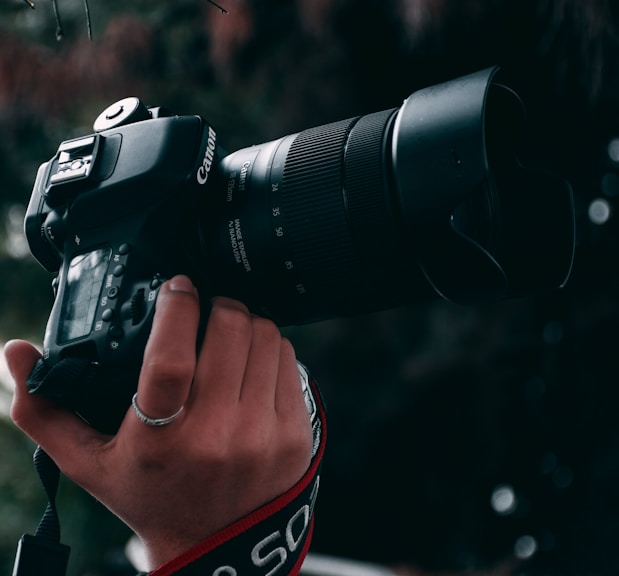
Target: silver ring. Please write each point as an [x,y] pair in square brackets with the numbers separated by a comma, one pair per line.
[153,421]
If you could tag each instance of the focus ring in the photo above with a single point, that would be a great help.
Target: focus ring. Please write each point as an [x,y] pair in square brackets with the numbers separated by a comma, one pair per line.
[312,198]
[337,206]
[367,197]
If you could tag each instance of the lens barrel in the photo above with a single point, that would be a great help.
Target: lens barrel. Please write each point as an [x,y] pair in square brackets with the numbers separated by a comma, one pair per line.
[384,209]
[307,229]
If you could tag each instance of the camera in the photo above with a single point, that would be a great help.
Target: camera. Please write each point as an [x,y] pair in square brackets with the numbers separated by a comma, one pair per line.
[425,200]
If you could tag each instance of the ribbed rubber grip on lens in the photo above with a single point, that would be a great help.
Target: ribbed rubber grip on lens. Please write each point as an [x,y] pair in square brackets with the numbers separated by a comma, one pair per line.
[313,201]
[368,201]
[335,199]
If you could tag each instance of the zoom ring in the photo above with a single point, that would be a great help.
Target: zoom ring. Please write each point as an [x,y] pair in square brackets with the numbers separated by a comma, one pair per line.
[313,203]
[333,190]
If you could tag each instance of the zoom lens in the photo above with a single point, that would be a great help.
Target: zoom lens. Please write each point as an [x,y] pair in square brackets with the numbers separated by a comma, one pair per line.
[384,209]
[309,230]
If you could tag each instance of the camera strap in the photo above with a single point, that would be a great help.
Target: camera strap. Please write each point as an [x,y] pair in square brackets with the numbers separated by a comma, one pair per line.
[43,554]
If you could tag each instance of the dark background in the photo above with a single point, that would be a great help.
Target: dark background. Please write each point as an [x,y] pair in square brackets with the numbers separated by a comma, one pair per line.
[433,407]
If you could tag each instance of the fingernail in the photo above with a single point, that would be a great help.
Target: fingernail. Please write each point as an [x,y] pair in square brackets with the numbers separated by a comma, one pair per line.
[181,284]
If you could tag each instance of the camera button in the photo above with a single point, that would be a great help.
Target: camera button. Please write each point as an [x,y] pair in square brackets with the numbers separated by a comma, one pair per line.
[54,229]
[155,283]
[124,249]
[116,332]
[118,270]
[107,315]
[114,111]
[112,292]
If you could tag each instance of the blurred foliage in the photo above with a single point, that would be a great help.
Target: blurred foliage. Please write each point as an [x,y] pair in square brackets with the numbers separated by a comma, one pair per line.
[96,536]
[431,407]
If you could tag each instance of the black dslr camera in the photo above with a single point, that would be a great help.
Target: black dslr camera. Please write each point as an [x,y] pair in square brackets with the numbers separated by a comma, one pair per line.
[425,200]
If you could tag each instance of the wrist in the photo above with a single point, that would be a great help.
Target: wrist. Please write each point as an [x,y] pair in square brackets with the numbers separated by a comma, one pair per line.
[275,537]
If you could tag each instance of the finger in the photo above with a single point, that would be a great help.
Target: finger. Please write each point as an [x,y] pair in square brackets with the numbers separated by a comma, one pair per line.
[21,358]
[170,354]
[263,363]
[64,436]
[289,398]
[223,357]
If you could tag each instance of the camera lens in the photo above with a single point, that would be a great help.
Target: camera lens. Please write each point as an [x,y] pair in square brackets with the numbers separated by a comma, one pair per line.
[306,228]
[477,217]
[388,208]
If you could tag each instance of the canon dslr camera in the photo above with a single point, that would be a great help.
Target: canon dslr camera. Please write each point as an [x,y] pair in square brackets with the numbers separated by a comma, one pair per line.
[425,200]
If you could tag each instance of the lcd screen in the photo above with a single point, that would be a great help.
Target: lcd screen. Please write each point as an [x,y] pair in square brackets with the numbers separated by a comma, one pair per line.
[81,294]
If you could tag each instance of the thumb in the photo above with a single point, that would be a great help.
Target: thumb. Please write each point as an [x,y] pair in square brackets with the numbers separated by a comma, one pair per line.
[20,357]
[57,430]
[25,409]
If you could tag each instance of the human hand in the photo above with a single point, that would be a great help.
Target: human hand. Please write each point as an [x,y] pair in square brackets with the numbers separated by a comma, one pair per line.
[242,439]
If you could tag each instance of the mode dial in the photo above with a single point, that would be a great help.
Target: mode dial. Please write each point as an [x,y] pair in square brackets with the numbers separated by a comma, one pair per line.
[126,111]
[54,229]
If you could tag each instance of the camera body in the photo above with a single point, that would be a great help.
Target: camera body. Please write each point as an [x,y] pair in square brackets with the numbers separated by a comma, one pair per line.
[425,200]
[104,215]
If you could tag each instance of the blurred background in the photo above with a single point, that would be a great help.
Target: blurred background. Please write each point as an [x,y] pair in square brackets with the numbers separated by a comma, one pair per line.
[462,439]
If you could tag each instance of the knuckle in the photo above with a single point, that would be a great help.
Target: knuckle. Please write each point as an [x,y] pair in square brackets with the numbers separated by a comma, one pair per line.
[255,445]
[229,317]
[266,330]
[165,369]
[215,453]
[298,441]
[19,415]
